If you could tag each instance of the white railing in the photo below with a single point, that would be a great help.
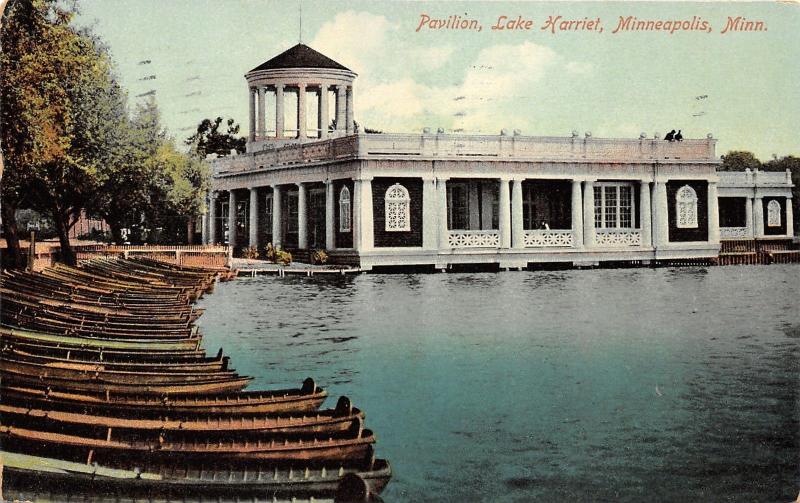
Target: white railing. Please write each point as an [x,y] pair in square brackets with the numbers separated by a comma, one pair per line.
[548,239]
[757,178]
[617,237]
[474,239]
[462,146]
[733,232]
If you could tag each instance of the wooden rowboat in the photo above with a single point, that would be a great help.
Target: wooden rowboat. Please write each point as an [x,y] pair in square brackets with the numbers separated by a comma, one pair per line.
[331,421]
[307,398]
[32,336]
[103,386]
[128,364]
[213,481]
[99,372]
[338,448]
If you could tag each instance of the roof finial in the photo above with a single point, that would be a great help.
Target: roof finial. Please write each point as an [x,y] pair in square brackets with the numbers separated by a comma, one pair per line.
[300,36]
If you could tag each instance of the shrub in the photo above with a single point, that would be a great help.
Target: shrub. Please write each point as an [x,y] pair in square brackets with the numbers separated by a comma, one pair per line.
[319,257]
[277,255]
[250,252]
[283,257]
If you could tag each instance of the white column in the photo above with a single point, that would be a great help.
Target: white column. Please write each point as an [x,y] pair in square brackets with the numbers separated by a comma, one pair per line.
[758,217]
[204,228]
[355,224]
[302,217]
[251,98]
[330,205]
[588,214]
[279,112]
[713,213]
[577,214]
[429,214]
[302,126]
[254,209]
[341,92]
[748,216]
[505,214]
[366,237]
[261,132]
[232,218]
[517,229]
[324,116]
[645,220]
[661,219]
[349,112]
[789,218]
[277,228]
[212,219]
[441,203]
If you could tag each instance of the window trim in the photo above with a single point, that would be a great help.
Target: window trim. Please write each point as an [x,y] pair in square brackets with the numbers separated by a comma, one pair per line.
[774,213]
[405,200]
[600,187]
[345,211]
[692,201]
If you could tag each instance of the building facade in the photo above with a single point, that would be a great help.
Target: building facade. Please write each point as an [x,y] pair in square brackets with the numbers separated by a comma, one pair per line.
[311,180]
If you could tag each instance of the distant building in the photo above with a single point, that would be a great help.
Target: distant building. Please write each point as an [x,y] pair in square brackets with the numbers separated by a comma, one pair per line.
[311,180]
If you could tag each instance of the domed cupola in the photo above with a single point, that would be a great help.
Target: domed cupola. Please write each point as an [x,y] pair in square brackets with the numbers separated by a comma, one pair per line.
[300,95]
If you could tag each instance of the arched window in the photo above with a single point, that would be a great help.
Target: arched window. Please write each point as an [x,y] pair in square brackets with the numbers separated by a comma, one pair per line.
[397,203]
[686,207]
[344,210]
[774,214]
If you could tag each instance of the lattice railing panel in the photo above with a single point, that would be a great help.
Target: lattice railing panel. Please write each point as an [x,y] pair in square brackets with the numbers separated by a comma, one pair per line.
[474,239]
[548,239]
[733,232]
[618,238]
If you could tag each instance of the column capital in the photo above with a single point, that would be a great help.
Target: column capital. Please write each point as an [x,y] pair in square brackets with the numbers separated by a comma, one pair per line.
[442,178]
[300,184]
[280,87]
[275,186]
[328,181]
[428,178]
[363,179]
[301,85]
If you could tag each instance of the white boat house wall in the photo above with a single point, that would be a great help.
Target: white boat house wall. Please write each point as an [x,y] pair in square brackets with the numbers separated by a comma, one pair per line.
[311,180]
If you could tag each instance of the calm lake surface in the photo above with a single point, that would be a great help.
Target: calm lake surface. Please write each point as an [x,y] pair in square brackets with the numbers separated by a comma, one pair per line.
[677,384]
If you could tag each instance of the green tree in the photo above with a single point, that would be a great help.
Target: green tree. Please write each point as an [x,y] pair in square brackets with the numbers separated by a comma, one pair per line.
[127,179]
[209,140]
[37,55]
[739,160]
[184,181]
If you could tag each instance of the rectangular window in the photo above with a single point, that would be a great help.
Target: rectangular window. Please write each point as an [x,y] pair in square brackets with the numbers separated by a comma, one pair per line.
[528,209]
[291,213]
[268,214]
[613,206]
[598,207]
[459,207]
[625,207]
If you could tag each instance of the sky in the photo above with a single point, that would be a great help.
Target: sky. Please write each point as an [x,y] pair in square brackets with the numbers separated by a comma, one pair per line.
[741,86]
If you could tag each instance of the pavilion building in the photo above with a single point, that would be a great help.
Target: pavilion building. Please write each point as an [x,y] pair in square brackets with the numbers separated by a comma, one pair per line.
[310,179]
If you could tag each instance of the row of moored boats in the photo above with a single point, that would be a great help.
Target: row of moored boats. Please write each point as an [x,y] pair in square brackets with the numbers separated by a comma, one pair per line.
[105,384]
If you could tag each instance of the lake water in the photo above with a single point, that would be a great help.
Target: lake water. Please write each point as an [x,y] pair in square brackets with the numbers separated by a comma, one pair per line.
[671,384]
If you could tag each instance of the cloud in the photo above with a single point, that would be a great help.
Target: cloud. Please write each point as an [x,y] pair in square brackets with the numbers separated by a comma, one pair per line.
[395,90]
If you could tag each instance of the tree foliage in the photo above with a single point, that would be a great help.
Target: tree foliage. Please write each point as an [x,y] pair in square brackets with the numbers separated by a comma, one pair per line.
[69,141]
[739,160]
[210,140]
